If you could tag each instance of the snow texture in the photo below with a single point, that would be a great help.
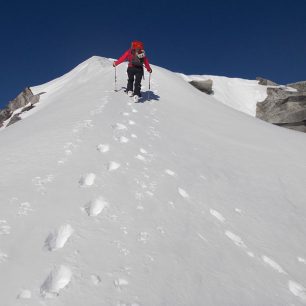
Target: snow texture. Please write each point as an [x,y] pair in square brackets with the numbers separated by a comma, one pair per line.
[177,200]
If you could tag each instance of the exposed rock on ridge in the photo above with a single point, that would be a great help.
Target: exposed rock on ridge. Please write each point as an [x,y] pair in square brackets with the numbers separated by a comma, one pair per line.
[284,106]
[203,85]
[26,99]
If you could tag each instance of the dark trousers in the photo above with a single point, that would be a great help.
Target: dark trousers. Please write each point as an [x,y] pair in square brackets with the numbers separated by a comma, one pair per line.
[134,74]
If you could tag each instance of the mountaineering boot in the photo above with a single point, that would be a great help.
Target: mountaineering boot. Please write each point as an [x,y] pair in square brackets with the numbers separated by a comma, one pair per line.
[136,98]
[130,93]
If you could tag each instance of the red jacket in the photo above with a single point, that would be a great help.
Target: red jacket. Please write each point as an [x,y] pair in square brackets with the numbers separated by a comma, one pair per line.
[128,56]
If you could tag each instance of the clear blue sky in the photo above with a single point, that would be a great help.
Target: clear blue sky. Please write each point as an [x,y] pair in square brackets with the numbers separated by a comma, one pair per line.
[41,40]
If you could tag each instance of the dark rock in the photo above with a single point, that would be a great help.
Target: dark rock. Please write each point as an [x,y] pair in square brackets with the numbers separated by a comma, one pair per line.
[300,86]
[266,82]
[203,85]
[14,119]
[24,98]
[284,108]
[4,115]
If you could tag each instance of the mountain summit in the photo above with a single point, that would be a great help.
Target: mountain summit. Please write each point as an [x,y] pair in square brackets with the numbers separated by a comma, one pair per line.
[179,200]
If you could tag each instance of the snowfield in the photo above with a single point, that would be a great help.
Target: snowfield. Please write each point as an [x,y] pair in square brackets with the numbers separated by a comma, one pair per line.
[180,200]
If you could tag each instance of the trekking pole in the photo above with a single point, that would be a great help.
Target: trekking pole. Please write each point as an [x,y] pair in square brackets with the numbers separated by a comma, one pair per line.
[116,79]
[149,86]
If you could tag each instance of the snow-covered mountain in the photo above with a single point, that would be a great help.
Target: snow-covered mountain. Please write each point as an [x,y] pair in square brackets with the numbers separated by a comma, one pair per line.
[180,200]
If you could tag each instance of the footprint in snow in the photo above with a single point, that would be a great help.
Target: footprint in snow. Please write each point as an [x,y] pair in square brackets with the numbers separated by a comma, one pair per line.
[134,136]
[95,279]
[170,172]
[238,211]
[103,148]
[302,260]
[119,126]
[81,125]
[123,139]
[143,151]
[125,114]
[297,290]
[24,209]
[183,193]
[58,238]
[140,157]
[96,206]
[131,122]
[24,294]
[238,242]
[217,215]
[134,110]
[235,239]
[120,282]
[3,257]
[87,180]
[143,237]
[112,166]
[5,229]
[273,264]
[57,280]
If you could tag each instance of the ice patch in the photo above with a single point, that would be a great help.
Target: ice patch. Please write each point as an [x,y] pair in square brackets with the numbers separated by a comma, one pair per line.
[87,180]
[58,239]
[57,280]
[95,207]
[274,265]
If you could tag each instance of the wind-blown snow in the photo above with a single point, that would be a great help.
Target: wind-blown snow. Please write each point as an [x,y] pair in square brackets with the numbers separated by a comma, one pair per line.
[179,200]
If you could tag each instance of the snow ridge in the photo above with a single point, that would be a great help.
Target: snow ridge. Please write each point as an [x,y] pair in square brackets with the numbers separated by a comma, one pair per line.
[149,206]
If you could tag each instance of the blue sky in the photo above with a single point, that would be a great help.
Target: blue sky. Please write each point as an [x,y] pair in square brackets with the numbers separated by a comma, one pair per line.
[41,40]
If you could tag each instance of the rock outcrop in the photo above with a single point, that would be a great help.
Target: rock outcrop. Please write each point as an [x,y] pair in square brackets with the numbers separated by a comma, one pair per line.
[285,107]
[266,82]
[203,85]
[25,98]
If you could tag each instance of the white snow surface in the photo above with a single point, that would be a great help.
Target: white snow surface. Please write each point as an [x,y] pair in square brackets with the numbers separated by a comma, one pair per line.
[237,93]
[203,205]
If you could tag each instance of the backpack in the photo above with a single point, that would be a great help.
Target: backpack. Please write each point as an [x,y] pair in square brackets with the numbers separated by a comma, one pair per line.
[137,54]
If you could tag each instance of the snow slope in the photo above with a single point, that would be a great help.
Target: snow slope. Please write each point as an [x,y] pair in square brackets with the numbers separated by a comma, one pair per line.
[180,200]
[239,94]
